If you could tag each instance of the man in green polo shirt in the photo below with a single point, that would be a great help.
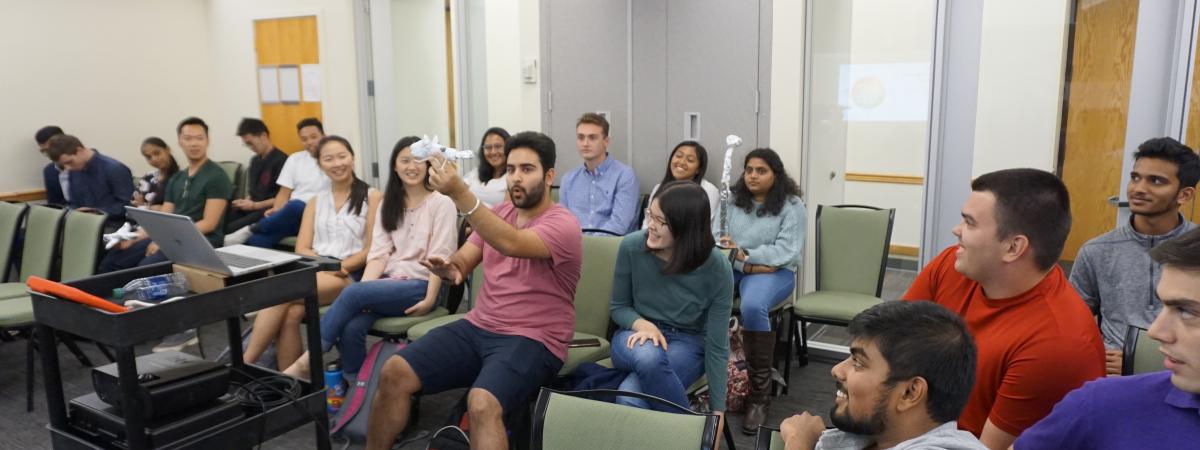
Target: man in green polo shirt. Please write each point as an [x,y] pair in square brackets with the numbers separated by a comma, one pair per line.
[201,192]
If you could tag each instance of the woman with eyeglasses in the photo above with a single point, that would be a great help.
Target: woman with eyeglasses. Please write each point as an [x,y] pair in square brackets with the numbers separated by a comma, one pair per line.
[689,162]
[766,232]
[488,182]
[672,294]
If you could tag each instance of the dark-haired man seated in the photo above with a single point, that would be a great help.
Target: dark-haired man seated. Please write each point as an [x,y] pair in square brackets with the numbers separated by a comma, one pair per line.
[55,179]
[515,339]
[98,182]
[299,180]
[1036,338]
[909,373]
[1153,410]
[1113,272]
[263,170]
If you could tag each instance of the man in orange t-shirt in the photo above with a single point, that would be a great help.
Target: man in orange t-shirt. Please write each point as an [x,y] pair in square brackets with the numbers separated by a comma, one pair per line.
[1037,340]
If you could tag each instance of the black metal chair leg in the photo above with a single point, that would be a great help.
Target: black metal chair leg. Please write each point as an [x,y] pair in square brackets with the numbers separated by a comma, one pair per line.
[69,342]
[104,350]
[29,351]
[729,436]
[802,358]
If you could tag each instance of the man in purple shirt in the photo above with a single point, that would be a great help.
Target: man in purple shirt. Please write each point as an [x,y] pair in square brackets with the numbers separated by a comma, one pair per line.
[1153,410]
[602,193]
[515,339]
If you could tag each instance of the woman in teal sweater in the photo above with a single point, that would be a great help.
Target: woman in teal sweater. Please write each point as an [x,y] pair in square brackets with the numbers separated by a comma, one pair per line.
[672,294]
[766,231]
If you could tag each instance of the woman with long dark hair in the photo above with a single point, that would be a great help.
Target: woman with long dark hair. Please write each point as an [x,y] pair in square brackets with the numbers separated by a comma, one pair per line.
[336,224]
[151,187]
[488,183]
[688,162]
[766,232]
[414,223]
[672,291]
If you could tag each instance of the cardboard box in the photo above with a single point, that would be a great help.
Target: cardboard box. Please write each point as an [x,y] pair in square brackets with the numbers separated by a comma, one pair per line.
[201,280]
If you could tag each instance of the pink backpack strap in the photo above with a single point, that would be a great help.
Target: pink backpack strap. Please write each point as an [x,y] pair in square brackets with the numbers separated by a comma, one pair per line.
[360,393]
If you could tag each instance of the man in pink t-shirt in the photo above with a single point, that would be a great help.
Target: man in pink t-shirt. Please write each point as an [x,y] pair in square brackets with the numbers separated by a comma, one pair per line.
[515,339]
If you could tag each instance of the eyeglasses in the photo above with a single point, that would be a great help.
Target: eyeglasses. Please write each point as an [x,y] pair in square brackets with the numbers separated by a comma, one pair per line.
[658,221]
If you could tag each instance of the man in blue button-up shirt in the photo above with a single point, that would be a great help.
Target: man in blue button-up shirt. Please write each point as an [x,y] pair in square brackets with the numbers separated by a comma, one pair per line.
[97,181]
[602,193]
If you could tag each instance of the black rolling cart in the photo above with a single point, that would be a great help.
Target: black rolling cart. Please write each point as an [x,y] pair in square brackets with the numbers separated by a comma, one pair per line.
[122,332]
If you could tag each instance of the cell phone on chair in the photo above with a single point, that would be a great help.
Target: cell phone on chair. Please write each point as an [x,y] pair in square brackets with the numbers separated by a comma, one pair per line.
[589,342]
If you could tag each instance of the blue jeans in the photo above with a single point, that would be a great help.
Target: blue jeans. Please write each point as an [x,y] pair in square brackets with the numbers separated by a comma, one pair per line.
[280,224]
[663,374]
[761,291]
[346,323]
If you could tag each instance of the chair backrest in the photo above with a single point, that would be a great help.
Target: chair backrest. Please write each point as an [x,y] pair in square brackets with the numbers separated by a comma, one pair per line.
[1141,353]
[593,294]
[564,420]
[233,170]
[768,438]
[10,223]
[81,245]
[554,193]
[41,241]
[857,239]
[476,284]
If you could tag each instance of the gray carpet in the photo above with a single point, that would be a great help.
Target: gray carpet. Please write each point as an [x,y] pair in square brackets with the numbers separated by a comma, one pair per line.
[812,390]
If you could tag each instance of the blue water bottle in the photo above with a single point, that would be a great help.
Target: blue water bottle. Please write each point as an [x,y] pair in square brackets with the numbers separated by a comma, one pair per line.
[335,391]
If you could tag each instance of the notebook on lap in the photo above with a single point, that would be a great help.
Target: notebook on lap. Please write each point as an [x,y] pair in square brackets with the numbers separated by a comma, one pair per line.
[178,239]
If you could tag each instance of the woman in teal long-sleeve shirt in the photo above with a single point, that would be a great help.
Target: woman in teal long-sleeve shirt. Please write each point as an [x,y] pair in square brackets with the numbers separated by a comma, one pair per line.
[766,231]
[672,294]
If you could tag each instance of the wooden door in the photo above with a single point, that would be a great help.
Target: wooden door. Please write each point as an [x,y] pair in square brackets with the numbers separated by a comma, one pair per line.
[1097,112]
[287,42]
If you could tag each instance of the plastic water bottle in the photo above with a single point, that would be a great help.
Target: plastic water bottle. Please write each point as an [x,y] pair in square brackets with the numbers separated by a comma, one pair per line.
[155,288]
[335,391]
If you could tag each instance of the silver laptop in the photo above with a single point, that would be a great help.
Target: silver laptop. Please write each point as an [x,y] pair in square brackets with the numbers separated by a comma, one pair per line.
[178,239]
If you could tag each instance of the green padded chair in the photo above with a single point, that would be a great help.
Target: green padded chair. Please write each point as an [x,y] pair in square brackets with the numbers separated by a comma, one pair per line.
[696,388]
[1141,353]
[37,259]
[570,420]
[852,244]
[287,243]
[593,294]
[768,439]
[81,245]
[423,328]
[554,193]
[42,228]
[237,176]
[11,215]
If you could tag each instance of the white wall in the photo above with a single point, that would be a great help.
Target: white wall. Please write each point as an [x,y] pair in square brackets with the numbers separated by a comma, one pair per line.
[111,73]
[1021,60]
[232,67]
[511,27]
[419,70]
[787,71]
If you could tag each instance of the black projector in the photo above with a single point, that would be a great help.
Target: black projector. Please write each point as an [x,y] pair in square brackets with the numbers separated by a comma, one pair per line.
[168,382]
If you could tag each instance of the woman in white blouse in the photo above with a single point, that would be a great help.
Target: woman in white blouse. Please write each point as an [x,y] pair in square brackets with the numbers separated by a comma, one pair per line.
[487,183]
[334,225]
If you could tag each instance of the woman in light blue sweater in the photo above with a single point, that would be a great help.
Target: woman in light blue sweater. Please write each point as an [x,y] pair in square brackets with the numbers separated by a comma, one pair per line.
[766,232]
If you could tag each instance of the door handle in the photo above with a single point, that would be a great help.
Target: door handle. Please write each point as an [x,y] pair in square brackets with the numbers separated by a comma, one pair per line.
[1116,201]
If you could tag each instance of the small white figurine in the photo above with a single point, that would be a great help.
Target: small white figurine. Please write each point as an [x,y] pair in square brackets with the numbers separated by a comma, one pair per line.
[426,148]
[125,233]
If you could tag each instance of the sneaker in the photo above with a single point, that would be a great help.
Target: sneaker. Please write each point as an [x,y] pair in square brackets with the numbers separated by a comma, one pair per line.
[177,342]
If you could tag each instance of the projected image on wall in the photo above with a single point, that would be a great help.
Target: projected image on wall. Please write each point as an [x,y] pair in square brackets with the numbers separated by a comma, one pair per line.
[896,92]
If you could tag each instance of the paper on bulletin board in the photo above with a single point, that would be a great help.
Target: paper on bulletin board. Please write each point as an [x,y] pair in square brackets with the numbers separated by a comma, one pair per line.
[310,82]
[268,84]
[289,84]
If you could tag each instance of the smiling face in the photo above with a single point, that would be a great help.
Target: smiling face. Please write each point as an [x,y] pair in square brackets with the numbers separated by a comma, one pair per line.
[1177,327]
[493,153]
[526,179]
[658,234]
[336,161]
[157,157]
[411,171]
[980,251]
[758,176]
[1154,187]
[684,163]
[309,137]
[863,397]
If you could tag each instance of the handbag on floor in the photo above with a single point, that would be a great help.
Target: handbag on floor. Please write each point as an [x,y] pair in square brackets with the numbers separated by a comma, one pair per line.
[738,386]
[351,421]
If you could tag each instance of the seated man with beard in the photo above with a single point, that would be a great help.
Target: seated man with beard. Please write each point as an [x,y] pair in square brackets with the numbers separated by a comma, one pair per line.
[910,371]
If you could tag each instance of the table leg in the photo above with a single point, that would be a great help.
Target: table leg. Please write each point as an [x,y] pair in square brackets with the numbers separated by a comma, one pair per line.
[51,376]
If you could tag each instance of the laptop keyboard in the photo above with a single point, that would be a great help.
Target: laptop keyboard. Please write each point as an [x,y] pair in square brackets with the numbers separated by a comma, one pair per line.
[239,261]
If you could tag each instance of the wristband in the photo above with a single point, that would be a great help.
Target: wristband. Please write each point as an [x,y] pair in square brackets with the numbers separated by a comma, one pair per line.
[473,208]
